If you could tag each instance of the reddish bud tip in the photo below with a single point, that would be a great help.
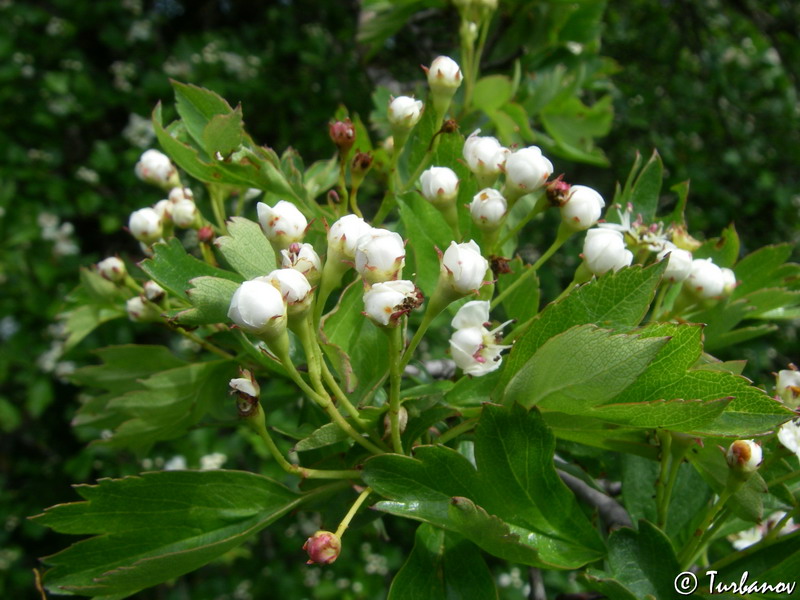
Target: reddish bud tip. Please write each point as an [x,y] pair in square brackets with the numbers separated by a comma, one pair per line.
[323,548]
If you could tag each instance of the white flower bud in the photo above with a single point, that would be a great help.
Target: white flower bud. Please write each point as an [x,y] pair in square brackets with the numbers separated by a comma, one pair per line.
[163,209]
[380,255]
[283,224]
[527,169]
[153,291]
[488,207]
[705,278]
[385,302]
[485,156]
[744,456]
[404,112]
[728,281]
[789,436]
[788,387]
[145,225]
[679,265]
[604,250]
[303,258]
[444,76]
[463,267]
[439,185]
[139,310]
[258,307]
[184,213]
[344,235]
[112,268]
[294,288]
[474,348]
[180,193]
[155,167]
[583,208]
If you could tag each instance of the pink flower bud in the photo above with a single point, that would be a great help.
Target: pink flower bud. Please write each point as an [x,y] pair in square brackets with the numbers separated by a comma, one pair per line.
[343,134]
[323,548]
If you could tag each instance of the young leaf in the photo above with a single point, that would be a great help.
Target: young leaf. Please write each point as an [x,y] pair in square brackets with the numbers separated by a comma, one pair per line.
[157,526]
[210,298]
[246,248]
[442,565]
[224,134]
[197,106]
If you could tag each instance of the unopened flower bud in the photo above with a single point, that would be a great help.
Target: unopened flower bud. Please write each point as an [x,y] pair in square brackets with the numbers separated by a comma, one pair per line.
[385,302]
[444,78]
[180,193]
[205,235]
[145,225]
[402,421]
[679,265]
[485,157]
[439,186]
[155,167]
[344,235]
[527,169]
[404,112]
[283,224]
[359,166]
[488,208]
[583,208]
[258,307]
[380,255]
[604,250]
[744,456]
[112,268]
[294,288]
[140,310]
[184,213]
[788,387]
[303,258]
[729,282]
[323,548]
[463,268]
[163,209]
[343,134]
[705,279]
[153,291]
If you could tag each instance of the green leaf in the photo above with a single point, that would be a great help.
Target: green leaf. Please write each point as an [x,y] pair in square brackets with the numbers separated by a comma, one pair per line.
[224,134]
[761,269]
[492,92]
[618,299]
[724,250]
[157,526]
[99,289]
[246,248]
[442,565]
[123,367]
[776,563]
[523,303]
[327,435]
[426,230]
[647,189]
[210,298]
[573,126]
[81,321]
[581,368]
[197,106]
[173,269]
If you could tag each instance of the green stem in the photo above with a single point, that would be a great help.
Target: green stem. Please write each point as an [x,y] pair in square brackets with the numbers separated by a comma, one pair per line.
[423,326]
[695,545]
[395,335]
[354,202]
[538,208]
[782,478]
[339,394]
[352,512]
[662,499]
[218,196]
[457,430]
[662,292]
[203,343]
[343,199]
[564,233]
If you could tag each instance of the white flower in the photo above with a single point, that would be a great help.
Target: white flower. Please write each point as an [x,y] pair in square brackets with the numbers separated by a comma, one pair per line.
[303,258]
[444,76]
[294,288]
[729,282]
[474,348]
[344,235]
[788,387]
[705,279]
[153,291]
[380,255]
[679,265]
[283,224]
[488,207]
[176,463]
[145,225]
[583,208]
[789,436]
[744,456]
[439,185]
[527,169]
[463,267]
[112,268]
[385,302]
[485,156]
[155,167]
[604,250]
[213,461]
[258,307]
[183,212]
[404,112]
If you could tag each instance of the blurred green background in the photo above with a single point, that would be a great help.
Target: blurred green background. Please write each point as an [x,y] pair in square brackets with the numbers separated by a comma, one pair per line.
[711,84]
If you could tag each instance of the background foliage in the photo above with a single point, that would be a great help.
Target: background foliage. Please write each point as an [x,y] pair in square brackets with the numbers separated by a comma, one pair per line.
[715,95]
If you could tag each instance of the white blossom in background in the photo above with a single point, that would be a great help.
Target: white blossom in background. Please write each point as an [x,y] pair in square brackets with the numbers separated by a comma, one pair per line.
[176,463]
[213,461]
[747,537]
[679,265]
[463,267]
[604,250]
[184,213]
[789,436]
[385,302]
[380,255]
[475,349]
[61,234]
[155,167]
[787,387]
[583,208]
[439,185]
[112,268]
[139,131]
[153,291]
[527,169]
[283,224]
[9,326]
[705,279]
